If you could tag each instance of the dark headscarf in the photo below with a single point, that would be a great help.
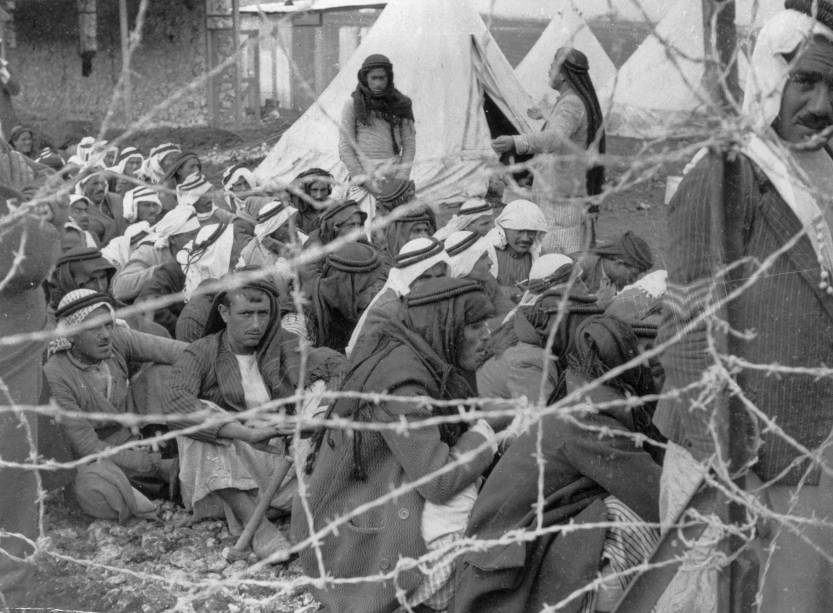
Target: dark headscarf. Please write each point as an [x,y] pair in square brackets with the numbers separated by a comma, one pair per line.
[430,325]
[398,232]
[332,219]
[73,268]
[629,248]
[575,69]
[394,192]
[820,10]
[179,163]
[391,104]
[343,291]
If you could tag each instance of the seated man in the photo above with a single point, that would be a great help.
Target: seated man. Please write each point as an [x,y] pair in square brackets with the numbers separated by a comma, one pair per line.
[350,278]
[245,361]
[517,367]
[152,251]
[470,256]
[208,256]
[238,181]
[475,214]
[419,259]
[88,372]
[77,228]
[593,471]
[516,238]
[106,215]
[316,187]
[609,267]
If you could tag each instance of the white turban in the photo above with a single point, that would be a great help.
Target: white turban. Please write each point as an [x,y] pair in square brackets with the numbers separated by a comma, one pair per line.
[118,250]
[464,249]
[518,215]
[153,163]
[192,188]
[471,210]
[769,69]
[133,197]
[272,216]
[180,220]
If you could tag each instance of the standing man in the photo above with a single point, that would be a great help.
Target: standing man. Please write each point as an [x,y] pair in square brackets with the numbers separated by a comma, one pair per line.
[562,169]
[377,132]
[27,253]
[771,196]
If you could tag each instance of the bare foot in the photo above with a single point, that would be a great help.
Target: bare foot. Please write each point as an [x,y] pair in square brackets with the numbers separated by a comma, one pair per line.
[269,542]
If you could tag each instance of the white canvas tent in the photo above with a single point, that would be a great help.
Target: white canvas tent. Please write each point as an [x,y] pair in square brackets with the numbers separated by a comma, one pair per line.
[662,84]
[567,29]
[445,59]
[621,10]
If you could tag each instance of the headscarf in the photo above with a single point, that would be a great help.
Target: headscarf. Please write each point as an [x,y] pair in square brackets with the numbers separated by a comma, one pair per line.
[430,325]
[18,131]
[769,68]
[271,217]
[602,343]
[126,154]
[464,249]
[518,215]
[470,211]
[333,218]
[640,299]
[83,151]
[347,275]
[415,257]
[132,198]
[118,250]
[576,69]
[79,186]
[391,104]
[179,220]
[232,175]
[153,163]
[547,271]
[72,310]
[191,189]
[50,158]
[629,248]
[309,215]
[208,256]
[398,232]
[394,192]
[179,162]
[73,268]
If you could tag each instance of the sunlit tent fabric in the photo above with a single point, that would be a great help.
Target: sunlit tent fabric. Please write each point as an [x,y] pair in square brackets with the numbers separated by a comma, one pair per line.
[621,10]
[567,29]
[445,59]
[660,86]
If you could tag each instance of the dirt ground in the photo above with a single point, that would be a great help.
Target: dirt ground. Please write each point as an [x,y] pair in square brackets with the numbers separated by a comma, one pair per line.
[159,559]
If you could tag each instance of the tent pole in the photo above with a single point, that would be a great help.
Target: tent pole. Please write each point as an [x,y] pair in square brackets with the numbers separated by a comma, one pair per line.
[235,33]
[125,61]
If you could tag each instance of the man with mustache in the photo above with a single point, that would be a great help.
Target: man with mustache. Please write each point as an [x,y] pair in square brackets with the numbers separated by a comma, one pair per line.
[766,196]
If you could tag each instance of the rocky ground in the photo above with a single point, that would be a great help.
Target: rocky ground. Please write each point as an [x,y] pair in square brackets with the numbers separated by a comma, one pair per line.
[175,564]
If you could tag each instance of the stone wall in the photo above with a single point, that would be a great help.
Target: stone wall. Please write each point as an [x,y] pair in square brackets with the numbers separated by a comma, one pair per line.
[171,55]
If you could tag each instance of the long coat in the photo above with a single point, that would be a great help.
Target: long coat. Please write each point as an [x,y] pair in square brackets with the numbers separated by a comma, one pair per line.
[790,314]
[371,543]
[581,469]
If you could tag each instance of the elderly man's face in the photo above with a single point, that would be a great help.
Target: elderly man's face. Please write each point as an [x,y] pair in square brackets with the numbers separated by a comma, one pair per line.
[473,349]
[96,188]
[807,101]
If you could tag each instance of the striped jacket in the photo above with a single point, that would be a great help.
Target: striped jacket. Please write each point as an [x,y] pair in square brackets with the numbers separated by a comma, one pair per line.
[783,317]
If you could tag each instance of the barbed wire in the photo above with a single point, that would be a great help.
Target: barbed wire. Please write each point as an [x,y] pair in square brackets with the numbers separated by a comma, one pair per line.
[719,379]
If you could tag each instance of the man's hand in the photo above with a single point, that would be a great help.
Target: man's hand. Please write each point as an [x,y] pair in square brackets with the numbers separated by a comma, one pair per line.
[503,144]
[260,437]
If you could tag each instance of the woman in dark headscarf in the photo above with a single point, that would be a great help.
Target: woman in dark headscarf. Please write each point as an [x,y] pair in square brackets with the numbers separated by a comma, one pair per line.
[426,351]
[377,131]
[594,471]
[561,171]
